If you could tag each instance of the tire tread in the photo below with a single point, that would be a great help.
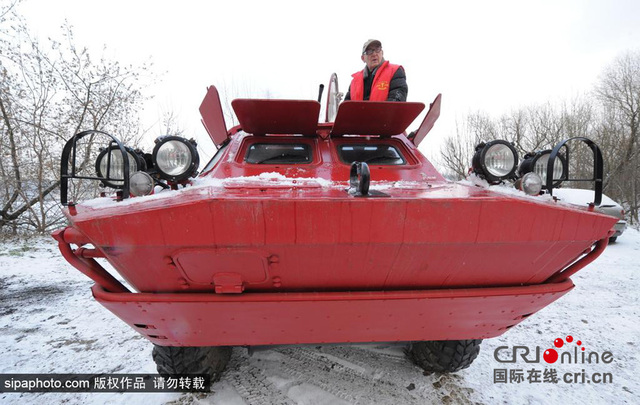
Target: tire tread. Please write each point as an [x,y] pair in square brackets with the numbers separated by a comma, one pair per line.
[209,361]
[444,356]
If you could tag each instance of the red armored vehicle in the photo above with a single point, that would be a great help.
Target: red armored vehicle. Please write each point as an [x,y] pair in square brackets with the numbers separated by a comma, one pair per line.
[300,232]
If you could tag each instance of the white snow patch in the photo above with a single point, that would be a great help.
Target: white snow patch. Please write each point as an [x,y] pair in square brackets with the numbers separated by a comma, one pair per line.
[273,178]
[505,188]
[581,197]
[204,185]
[564,196]
[308,394]
[402,184]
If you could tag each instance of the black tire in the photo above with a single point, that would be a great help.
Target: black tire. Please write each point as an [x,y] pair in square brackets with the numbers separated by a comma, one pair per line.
[613,239]
[209,361]
[444,356]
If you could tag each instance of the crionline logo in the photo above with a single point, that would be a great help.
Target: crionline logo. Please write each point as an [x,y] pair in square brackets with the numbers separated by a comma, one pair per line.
[505,354]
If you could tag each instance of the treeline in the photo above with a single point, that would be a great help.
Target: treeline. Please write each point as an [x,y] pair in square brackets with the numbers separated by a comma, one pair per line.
[609,115]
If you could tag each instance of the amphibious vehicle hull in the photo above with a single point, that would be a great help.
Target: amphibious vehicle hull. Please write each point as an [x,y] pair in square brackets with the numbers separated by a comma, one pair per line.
[313,239]
[311,264]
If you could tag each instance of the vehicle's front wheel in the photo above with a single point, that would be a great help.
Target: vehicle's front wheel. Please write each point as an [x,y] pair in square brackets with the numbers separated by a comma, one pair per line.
[613,239]
[209,361]
[444,356]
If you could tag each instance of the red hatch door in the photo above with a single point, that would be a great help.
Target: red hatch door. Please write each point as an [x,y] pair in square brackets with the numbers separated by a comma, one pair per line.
[375,117]
[429,120]
[213,117]
[261,117]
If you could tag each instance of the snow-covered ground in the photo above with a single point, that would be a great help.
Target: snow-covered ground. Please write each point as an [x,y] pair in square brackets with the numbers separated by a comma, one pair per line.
[49,323]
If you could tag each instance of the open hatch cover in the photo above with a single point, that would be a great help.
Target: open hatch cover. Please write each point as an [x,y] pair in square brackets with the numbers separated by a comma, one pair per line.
[213,117]
[383,118]
[261,117]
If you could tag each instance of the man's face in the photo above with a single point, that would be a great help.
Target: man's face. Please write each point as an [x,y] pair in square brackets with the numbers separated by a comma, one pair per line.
[373,56]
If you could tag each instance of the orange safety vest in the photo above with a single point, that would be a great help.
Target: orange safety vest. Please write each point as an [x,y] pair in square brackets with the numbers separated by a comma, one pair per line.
[380,85]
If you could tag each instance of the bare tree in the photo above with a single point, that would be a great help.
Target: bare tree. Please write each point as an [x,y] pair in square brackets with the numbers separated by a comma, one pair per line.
[619,92]
[6,9]
[171,124]
[529,129]
[611,118]
[458,149]
[48,93]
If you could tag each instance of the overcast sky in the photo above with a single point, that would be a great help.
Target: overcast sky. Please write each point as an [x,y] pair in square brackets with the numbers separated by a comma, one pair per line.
[481,55]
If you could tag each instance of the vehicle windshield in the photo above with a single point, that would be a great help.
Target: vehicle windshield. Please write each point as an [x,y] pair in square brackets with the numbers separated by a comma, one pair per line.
[372,154]
[278,153]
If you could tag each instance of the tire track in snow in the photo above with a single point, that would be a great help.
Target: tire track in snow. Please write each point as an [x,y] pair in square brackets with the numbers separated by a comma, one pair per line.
[372,362]
[251,383]
[352,385]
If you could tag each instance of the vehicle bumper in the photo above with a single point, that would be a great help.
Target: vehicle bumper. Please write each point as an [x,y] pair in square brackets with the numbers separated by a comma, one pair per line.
[209,319]
[619,227]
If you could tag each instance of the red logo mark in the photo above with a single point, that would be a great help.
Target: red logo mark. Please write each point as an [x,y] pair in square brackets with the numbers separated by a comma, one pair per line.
[551,355]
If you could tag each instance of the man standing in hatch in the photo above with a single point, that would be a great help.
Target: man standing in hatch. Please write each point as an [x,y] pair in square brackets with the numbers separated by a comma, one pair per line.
[379,80]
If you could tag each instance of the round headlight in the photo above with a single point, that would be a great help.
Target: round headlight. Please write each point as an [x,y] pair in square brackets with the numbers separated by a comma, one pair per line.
[537,162]
[140,183]
[530,183]
[175,158]
[110,165]
[495,161]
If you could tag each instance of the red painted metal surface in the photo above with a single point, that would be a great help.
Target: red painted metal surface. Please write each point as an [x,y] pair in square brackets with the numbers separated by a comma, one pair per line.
[297,318]
[384,118]
[71,235]
[89,267]
[579,265]
[309,237]
[261,117]
[213,117]
[429,120]
[87,253]
[326,165]
[281,253]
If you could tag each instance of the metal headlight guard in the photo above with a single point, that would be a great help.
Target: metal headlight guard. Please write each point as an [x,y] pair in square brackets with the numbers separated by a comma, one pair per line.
[110,165]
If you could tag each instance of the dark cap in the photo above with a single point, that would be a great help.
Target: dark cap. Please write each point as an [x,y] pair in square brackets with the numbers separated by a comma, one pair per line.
[370,42]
